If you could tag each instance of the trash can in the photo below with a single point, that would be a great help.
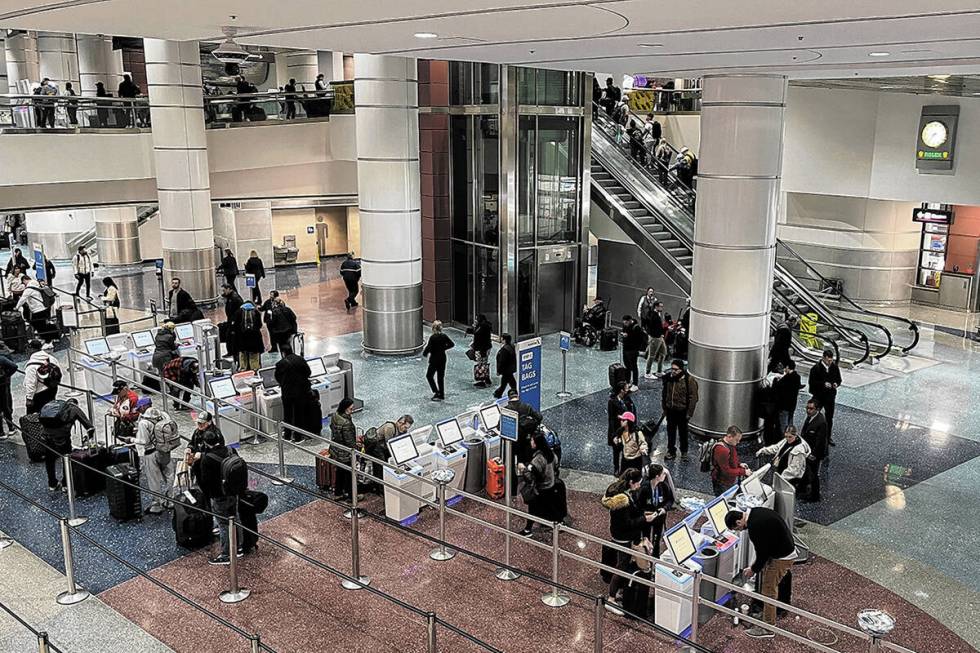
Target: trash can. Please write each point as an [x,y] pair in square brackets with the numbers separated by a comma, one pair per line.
[475,465]
[708,559]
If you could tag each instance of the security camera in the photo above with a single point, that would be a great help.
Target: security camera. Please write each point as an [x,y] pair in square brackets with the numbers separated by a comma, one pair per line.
[229,51]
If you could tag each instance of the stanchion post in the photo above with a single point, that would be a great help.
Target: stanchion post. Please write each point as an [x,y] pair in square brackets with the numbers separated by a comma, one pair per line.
[5,542]
[554,598]
[202,381]
[235,594]
[42,642]
[505,573]
[597,615]
[71,373]
[256,644]
[281,436]
[564,375]
[114,367]
[430,630]
[355,536]
[163,391]
[695,607]
[74,594]
[102,321]
[441,553]
[73,518]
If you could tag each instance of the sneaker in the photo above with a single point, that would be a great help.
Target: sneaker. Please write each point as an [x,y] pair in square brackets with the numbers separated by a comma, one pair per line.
[222,559]
[670,456]
[649,376]
[613,606]
[526,532]
[63,488]
[436,398]
[760,633]
[54,488]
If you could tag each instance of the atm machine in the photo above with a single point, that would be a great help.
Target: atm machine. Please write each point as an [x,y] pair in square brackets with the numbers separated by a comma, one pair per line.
[96,368]
[406,475]
[674,612]
[140,356]
[451,454]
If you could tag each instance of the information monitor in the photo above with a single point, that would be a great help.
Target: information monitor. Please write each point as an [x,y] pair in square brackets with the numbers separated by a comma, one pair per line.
[268,376]
[449,432]
[403,449]
[316,367]
[96,347]
[681,544]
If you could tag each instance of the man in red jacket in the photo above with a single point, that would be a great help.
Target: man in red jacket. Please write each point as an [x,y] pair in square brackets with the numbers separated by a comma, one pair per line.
[725,468]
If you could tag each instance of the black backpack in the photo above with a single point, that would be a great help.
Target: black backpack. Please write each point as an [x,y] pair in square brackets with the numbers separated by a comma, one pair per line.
[55,414]
[234,474]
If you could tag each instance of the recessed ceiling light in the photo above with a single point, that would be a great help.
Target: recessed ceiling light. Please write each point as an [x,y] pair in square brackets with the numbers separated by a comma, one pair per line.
[426,35]
[879,54]
[939,78]
[651,45]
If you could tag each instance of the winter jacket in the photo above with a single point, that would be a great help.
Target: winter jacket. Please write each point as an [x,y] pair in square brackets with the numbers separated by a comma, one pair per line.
[725,467]
[680,393]
[229,267]
[350,271]
[787,390]
[207,471]
[634,338]
[16,261]
[81,264]
[33,385]
[248,330]
[32,298]
[506,360]
[200,436]
[482,337]
[790,460]
[343,432]
[651,499]
[540,473]
[814,431]
[179,371]
[182,306]
[165,348]
[436,348]
[233,302]
[280,319]
[614,408]
[634,444]
[111,302]
[819,375]
[293,376]
[644,309]
[255,267]
[124,407]
[625,516]
[60,436]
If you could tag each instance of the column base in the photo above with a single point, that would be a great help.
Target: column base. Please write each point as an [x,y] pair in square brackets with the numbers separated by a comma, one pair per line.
[196,270]
[729,382]
[392,320]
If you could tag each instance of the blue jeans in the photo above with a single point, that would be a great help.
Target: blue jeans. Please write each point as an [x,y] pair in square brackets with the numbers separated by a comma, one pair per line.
[785,419]
[226,507]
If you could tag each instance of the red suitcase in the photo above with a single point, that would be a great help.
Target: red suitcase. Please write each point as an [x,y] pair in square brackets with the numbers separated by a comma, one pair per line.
[326,474]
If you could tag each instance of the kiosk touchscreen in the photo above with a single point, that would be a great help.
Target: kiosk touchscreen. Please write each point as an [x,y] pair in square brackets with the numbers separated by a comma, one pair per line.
[752,484]
[316,367]
[680,541]
[449,432]
[491,417]
[185,332]
[508,425]
[268,375]
[223,388]
[96,347]
[716,511]
[142,339]
[403,449]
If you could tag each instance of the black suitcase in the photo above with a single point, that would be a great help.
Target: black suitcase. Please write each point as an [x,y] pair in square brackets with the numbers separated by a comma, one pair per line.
[125,502]
[33,434]
[609,339]
[124,453]
[256,113]
[13,330]
[636,596]
[561,501]
[192,528]
[618,374]
[86,466]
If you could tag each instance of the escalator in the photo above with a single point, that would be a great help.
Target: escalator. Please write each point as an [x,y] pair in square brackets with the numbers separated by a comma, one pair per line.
[658,218]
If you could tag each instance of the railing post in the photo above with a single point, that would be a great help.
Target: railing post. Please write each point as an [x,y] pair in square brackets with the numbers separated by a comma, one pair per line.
[235,594]
[74,594]
[71,372]
[201,379]
[355,536]
[73,518]
[90,406]
[695,606]
[114,367]
[505,573]
[163,393]
[256,644]
[102,321]
[441,553]
[554,598]
[283,479]
[430,627]
[42,642]
[597,616]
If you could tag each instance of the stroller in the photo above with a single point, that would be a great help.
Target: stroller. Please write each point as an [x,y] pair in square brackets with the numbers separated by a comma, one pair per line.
[590,325]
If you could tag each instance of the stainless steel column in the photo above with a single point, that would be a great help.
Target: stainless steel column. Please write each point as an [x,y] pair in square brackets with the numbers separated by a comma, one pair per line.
[173,73]
[97,62]
[734,245]
[3,61]
[117,234]
[389,199]
[508,205]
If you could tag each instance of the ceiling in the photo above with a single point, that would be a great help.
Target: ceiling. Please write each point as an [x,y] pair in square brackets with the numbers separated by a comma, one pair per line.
[951,85]
[830,38]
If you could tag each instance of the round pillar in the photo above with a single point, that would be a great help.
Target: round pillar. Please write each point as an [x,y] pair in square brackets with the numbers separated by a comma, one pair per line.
[22,65]
[303,66]
[58,59]
[97,62]
[3,61]
[735,246]
[389,201]
[173,74]
[54,230]
[117,235]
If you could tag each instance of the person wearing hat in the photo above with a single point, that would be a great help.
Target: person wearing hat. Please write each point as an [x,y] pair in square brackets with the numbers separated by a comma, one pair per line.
[619,403]
[207,470]
[124,410]
[159,465]
[205,428]
[58,440]
[631,441]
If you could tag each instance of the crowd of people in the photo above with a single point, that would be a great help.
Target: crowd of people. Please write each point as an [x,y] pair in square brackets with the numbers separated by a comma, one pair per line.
[119,114]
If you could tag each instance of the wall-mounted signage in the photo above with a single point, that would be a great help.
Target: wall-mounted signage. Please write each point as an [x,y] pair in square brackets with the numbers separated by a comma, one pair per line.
[932,216]
[936,138]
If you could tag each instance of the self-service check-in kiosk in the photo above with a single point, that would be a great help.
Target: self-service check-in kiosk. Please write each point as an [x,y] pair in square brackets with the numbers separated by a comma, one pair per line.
[140,357]
[674,612]
[327,379]
[268,401]
[186,343]
[406,475]
[752,493]
[724,544]
[96,366]
[451,454]
[223,388]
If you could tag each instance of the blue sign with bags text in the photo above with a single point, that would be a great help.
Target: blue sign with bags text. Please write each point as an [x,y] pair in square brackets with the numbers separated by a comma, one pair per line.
[529,367]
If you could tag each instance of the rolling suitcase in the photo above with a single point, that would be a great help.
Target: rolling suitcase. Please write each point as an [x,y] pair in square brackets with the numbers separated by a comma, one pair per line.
[617,374]
[561,501]
[33,434]
[192,528]
[124,499]
[609,339]
[124,453]
[326,474]
[636,596]
[88,467]
[495,478]
[13,330]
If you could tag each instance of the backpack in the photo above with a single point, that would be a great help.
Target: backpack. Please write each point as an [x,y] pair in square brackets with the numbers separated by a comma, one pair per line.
[165,436]
[706,454]
[51,373]
[234,474]
[55,414]
[47,296]
[374,443]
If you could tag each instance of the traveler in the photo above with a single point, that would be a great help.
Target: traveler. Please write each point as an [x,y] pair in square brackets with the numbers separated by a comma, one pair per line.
[645,307]
[824,380]
[537,486]
[320,85]
[183,374]
[247,334]
[725,466]
[165,347]
[481,345]
[110,300]
[656,345]
[7,370]
[596,98]
[226,330]
[344,433]
[528,421]
[626,523]
[255,267]
[611,96]
[36,312]
[290,90]
[790,458]
[619,403]
[350,272]
[71,106]
[57,435]
[50,272]
[156,433]
[128,89]
[182,307]
[657,494]
[204,429]
[229,268]
[506,366]
[293,375]
[779,353]
[787,392]
[47,106]
[435,350]
[125,411]
[82,266]
[102,113]
[281,322]
[679,399]
[17,283]
[814,432]
[775,553]
[686,167]
[634,341]
[378,445]
[631,441]
[17,261]
[634,136]
[652,133]
[220,484]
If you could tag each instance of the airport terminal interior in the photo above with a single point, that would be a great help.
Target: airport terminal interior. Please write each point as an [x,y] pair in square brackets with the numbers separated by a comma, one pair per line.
[554,325]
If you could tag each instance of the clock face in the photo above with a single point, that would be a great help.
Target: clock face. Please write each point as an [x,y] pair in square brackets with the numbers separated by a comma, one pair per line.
[934,134]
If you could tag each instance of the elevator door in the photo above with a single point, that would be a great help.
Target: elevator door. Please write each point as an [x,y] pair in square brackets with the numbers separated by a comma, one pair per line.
[556,295]
[322,234]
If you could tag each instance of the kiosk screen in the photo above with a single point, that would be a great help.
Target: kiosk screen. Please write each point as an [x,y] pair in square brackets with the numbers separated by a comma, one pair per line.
[268,376]
[96,347]
[491,416]
[223,388]
[403,449]
[449,432]
[716,515]
[184,331]
[681,544]
[142,339]
[316,367]
[754,487]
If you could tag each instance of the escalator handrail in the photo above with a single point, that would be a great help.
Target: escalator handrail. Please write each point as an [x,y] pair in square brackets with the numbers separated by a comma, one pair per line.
[803,350]
[849,333]
[912,326]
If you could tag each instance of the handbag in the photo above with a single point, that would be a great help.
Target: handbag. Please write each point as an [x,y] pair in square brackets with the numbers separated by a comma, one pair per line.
[471,354]
[528,491]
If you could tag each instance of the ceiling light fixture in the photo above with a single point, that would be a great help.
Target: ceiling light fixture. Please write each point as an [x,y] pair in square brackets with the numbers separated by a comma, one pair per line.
[426,35]
[940,78]
[230,52]
[879,54]
[651,45]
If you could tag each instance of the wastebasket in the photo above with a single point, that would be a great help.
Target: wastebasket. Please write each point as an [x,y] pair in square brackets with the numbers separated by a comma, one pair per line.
[475,465]
[708,559]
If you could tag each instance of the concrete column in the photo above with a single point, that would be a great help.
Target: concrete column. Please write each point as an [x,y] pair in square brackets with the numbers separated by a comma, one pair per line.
[58,59]
[331,64]
[117,235]
[53,230]
[173,74]
[97,62]
[303,66]
[735,246]
[389,200]
[22,64]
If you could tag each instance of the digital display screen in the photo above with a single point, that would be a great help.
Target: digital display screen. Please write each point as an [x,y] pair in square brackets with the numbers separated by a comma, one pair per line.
[681,544]
[403,449]
[716,515]
[316,367]
[753,486]
[449,432]
[268,375]
[97,347]
[508,425]
[490,416]
[142,339]
[185,331]
[223,388]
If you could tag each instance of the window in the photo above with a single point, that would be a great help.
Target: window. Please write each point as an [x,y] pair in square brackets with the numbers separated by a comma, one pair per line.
[557,179]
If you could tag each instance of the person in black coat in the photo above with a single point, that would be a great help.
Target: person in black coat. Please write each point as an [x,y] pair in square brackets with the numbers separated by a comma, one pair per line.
[656,496]
[255,267]
[229,268]
[626,523]
[280,320]
[482,337]
[183,308]
[435,350]
[814,433]
[634,341]
[350,271]
[506,366]
[787,391]
[779,353]
[824,380]
[293,375]
[247,332]
[226,330]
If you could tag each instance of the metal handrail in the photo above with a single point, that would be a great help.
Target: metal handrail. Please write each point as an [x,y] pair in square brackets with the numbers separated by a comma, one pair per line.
[17,99]
[42,636]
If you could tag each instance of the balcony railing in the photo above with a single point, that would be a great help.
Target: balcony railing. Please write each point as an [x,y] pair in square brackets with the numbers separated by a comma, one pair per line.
[72,113]
[241,109]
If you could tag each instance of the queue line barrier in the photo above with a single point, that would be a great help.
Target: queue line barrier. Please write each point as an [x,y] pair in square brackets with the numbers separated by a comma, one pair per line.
[44,644]
[554,547]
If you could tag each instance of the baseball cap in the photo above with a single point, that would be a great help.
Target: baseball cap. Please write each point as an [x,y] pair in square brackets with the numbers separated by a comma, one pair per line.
[628,416]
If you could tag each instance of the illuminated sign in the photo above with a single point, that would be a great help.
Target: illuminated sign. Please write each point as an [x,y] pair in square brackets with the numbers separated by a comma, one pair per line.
[936,139]
[932,216]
